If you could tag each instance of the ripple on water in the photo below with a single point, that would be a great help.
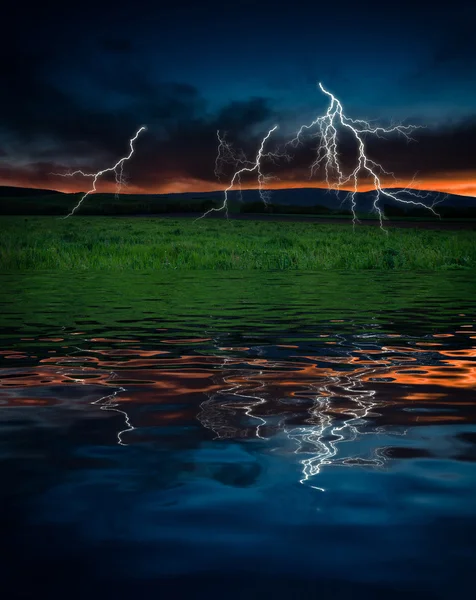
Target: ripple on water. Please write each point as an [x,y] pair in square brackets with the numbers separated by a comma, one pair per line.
[316,426]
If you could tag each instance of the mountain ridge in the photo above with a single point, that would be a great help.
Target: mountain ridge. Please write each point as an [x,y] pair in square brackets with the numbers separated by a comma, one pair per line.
[300,196]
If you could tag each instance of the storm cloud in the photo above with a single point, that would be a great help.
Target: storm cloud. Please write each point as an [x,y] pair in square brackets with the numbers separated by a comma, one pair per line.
[76,89]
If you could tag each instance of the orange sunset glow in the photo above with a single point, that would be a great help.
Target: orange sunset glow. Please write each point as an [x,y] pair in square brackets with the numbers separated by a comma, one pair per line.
[462,183]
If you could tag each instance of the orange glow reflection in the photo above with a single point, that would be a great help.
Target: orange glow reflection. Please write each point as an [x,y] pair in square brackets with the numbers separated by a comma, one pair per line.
[320,402]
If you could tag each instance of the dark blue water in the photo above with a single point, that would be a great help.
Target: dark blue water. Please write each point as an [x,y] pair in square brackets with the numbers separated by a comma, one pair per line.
[243,436]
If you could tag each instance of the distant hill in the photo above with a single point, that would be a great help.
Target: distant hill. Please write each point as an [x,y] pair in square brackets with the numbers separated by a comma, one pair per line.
[26,201]
[313,196]
[9,191]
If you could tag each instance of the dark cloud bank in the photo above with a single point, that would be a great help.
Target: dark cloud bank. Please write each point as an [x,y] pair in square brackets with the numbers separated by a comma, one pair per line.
[49,125]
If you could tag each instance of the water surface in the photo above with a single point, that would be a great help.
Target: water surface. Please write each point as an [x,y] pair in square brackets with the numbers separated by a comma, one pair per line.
[238,435]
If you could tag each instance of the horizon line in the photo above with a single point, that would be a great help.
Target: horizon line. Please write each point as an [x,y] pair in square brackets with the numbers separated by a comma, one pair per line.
[248,189]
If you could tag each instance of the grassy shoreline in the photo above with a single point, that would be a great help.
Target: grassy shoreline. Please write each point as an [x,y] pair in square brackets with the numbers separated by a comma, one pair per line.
[39,243]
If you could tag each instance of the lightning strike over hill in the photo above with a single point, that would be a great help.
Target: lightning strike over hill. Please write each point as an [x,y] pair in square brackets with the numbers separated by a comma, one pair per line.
[227,154]
[117,169]
[327,154]
[328,126]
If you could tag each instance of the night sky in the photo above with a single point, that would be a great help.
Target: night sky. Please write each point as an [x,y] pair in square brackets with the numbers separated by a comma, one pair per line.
[78,79]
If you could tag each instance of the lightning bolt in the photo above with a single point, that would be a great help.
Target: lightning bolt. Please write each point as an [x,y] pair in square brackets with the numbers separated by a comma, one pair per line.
[327,153]
[327,126]
[118,170]
[228,155]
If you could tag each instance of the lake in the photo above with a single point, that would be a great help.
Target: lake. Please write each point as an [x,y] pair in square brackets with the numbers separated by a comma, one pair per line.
[238,435]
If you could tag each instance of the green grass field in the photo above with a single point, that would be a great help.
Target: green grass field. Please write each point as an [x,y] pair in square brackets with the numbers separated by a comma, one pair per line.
[38,243]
